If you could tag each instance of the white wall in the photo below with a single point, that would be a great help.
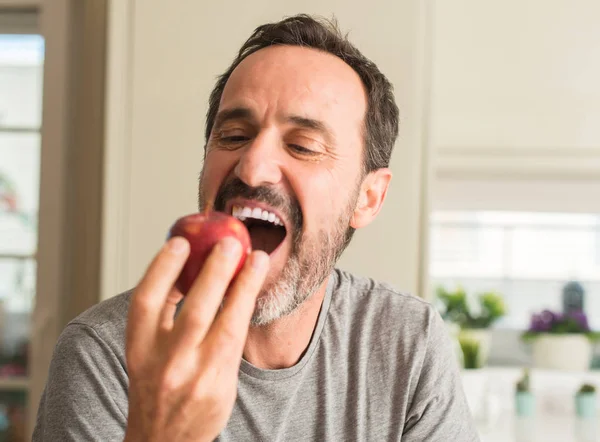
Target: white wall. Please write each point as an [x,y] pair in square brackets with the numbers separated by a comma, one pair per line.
[517,74]
[516,92]
[516,194]
[163,60]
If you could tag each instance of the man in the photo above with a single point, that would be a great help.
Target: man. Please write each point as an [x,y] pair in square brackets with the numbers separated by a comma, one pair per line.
[300,127]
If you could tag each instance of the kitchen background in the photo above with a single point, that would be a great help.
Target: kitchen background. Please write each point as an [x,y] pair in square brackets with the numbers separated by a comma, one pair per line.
[514,246]
[493,215]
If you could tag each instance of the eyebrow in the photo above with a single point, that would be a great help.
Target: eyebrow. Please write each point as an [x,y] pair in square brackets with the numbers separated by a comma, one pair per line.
[237,113]
[312,124]
[244,113]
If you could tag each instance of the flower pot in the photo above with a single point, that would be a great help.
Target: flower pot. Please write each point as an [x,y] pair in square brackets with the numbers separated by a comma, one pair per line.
[585,405]
[524,403]
[562,352]
[483,337]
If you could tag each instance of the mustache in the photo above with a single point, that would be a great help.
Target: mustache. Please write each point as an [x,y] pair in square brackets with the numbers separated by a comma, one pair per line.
[236,188]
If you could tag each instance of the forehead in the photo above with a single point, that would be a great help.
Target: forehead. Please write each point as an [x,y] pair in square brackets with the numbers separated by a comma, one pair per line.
[282,80]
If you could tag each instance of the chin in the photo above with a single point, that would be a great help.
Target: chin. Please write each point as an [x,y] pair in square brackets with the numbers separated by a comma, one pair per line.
[274,276]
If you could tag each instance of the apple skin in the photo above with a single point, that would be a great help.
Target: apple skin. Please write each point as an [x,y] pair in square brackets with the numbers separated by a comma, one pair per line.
[203,231]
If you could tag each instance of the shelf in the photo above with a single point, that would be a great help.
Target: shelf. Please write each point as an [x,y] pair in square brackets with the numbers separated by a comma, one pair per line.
[14,383]
[23,256]
[19,130]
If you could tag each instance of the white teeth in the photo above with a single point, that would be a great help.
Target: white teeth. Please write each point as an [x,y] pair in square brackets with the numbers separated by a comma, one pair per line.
[242,213]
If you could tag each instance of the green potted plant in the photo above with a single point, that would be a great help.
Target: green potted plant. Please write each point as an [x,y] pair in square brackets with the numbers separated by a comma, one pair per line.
[524,398]
[475,322]
[585,401]
[471,350]
[561,341]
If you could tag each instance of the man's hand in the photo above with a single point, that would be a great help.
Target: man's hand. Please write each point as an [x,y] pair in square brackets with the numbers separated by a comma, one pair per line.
[183,372]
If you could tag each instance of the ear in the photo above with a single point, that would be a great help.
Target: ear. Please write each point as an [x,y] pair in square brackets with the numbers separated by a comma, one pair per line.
[371,196]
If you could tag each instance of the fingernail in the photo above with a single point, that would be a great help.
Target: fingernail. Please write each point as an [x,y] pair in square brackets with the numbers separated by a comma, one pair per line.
[177,245]
[259,260]
[230,246]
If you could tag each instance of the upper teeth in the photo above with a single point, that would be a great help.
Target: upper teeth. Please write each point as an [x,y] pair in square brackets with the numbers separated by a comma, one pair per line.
[242,213]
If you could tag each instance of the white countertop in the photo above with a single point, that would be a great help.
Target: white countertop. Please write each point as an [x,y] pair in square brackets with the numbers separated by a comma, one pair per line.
[541,429]
[490,393]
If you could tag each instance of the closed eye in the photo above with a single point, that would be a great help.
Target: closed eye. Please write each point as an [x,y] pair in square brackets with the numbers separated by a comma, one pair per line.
[301,150]
[235,139]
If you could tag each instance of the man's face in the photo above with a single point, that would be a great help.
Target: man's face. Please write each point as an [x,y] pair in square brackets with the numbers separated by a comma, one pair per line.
[288,139]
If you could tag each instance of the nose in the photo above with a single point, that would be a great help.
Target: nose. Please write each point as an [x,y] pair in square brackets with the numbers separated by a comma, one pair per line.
[258,164]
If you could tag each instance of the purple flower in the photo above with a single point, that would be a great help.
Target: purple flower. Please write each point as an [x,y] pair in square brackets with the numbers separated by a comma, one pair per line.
[546,319]
[539,323]
[549,317]
[581,319]
[550,322]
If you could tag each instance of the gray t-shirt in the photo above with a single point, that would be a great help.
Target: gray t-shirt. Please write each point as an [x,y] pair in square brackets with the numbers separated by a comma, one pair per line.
[379,367]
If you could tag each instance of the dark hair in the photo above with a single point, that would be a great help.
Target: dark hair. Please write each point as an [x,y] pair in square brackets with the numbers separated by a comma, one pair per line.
[381,120]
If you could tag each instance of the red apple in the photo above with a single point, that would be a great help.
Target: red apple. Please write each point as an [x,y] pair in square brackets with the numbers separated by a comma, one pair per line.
[203,231]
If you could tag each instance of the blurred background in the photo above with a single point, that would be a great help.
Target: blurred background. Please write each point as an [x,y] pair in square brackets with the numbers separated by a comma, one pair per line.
[493,215]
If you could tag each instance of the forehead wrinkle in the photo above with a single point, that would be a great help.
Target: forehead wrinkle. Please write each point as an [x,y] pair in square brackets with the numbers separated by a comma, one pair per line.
[234,113]
[313,124]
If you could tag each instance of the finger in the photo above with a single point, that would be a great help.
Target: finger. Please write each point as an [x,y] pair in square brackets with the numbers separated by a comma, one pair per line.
[150,295]
[206,294]
[167,315]
[230,329]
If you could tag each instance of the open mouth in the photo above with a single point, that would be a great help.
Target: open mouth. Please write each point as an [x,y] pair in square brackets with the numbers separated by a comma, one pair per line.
[266,229]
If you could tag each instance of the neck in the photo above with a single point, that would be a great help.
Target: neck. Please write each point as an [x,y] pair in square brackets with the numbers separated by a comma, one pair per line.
[282,343]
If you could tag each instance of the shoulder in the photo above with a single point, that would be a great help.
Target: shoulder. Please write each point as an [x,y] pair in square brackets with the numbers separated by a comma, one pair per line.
[111,311]
[376,300]
[105,322]
[376,316]
[85,396]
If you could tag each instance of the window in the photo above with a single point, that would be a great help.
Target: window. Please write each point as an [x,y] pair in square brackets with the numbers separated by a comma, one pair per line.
[21,66]
[528,257]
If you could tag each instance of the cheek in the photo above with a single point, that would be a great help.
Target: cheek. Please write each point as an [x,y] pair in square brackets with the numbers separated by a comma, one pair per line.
[324,198]
[217,166]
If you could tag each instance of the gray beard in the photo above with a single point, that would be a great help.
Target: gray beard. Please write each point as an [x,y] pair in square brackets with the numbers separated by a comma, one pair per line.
[301,276]
[282,298]
[288,293]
